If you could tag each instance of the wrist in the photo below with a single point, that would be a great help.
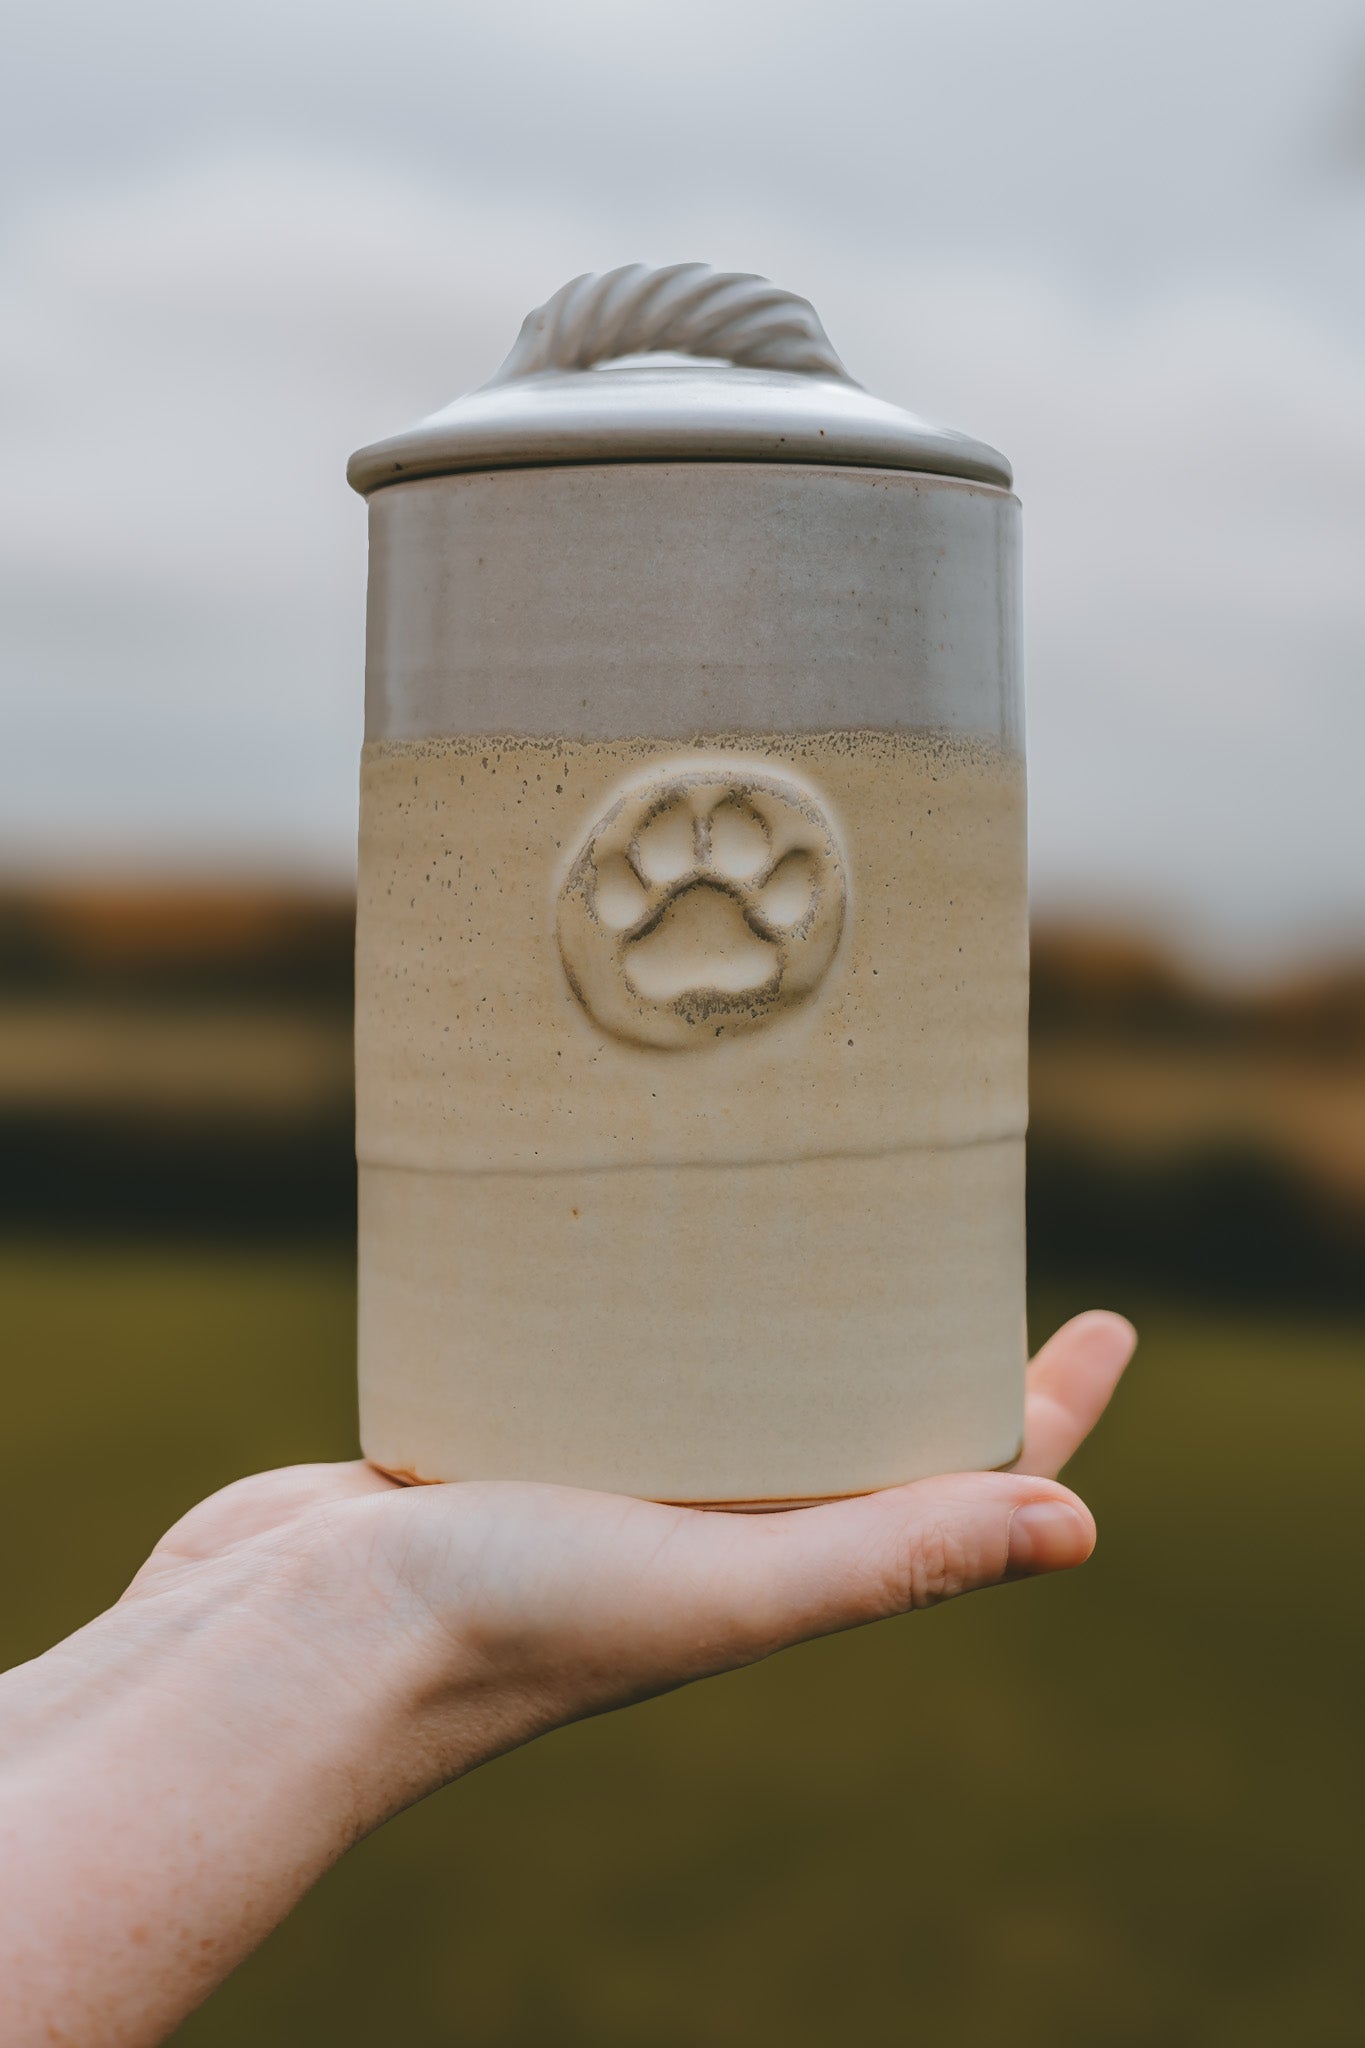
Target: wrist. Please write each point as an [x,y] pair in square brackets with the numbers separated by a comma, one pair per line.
[221,1661]
[175,1777]
[289,1658]
[427,1703]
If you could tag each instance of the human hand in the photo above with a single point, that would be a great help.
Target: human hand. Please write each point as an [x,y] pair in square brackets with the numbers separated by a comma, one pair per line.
[497,1610]
[312,1649]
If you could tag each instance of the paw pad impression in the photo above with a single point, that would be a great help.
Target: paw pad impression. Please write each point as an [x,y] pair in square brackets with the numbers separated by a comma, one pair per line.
[708,898]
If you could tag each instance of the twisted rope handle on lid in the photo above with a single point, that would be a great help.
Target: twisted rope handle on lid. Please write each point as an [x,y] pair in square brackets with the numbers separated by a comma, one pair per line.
[686,309]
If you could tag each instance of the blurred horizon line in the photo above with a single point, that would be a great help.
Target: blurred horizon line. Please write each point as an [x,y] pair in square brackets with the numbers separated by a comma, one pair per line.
[202,908]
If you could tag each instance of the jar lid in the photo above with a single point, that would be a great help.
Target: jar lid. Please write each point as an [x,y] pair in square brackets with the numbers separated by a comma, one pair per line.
[742,372]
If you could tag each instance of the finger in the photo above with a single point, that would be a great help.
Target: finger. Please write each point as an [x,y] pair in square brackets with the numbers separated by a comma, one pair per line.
[1069,1386]
[783,1578]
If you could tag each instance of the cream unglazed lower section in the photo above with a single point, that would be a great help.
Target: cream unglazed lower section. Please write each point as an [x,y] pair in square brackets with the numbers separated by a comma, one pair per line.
[744,1223]
[785,1332]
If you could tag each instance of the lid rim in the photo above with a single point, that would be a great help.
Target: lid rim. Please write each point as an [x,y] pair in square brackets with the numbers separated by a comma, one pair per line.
[367,479]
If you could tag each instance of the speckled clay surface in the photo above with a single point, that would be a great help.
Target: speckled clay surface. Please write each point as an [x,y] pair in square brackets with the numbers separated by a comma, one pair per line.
[778,1261]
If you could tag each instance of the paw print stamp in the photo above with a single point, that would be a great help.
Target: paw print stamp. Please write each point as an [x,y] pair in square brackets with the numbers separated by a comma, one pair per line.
[708,899]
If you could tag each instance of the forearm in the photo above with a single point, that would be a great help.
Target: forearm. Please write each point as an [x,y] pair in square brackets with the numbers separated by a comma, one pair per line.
[172,1780]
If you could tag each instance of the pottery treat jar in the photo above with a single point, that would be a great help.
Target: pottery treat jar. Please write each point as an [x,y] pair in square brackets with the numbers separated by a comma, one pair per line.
[691,949]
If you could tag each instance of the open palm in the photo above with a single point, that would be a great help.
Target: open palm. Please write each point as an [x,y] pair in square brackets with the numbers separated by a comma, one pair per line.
[569,1602]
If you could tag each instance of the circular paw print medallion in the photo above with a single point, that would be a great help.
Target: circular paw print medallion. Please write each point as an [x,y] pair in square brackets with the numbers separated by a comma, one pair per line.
[709,898]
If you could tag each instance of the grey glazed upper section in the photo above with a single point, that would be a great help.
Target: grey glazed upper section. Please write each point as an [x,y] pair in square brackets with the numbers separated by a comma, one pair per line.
[745,373]
[680,599]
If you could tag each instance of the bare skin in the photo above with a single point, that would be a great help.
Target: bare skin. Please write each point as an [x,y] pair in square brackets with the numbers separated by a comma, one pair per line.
[313,1649]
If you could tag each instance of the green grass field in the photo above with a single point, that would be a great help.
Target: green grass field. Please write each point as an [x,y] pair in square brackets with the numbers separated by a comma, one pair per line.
[1112,1810]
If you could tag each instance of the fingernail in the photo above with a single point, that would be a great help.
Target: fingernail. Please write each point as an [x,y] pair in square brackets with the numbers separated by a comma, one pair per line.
[1047,1536]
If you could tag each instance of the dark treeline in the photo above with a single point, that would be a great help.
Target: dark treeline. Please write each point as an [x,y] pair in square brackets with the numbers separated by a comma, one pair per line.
[1223,1227]
[216,945]
[224,944]
[1099,983]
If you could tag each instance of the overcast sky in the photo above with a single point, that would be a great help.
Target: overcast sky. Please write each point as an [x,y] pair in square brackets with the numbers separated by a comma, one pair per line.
[1126,244]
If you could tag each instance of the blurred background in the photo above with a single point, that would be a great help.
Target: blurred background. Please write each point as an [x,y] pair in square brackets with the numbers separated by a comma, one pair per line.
[1125,244]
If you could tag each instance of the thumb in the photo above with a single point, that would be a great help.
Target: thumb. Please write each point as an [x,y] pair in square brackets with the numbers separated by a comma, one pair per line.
[822,1569]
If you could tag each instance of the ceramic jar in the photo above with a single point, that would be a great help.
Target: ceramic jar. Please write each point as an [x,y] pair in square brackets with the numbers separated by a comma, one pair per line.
[691,949]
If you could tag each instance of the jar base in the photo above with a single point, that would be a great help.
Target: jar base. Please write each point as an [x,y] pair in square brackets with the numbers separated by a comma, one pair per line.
[405,1477]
